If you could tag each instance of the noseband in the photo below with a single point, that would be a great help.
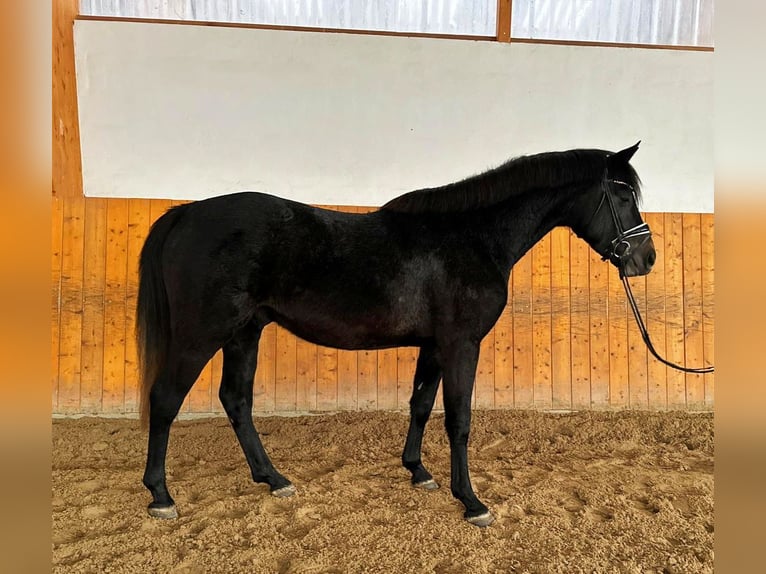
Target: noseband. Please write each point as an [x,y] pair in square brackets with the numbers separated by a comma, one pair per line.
[620,247]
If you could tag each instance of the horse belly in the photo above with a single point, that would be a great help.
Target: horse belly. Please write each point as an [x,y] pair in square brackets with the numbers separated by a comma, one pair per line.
[349,328]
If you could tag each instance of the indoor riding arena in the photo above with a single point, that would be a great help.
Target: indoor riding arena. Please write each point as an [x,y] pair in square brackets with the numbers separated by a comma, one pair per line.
[498,294]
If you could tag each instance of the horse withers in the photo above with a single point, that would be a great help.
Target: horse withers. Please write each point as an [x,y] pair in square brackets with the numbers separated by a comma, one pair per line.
[428,269]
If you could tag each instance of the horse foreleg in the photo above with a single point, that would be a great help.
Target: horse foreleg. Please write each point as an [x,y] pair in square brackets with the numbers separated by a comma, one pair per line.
[165,399]
[427,376]
[240,357]
[459,372]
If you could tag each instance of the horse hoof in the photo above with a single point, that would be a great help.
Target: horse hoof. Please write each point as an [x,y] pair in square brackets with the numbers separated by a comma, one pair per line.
[429,484]
[165,512]
[284,492]
[482,521]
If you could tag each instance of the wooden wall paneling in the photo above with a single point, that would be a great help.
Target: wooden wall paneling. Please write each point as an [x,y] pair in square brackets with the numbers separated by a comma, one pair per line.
[93,313]
[617,309]
[484,384]
[692,286]
[657,390]
[139,220]
[504,20]
[306,375]
[579,289]
[541,323]
[115,295]
[561,323]
[638,375]
[216,368]
[264,387]
[71,301]
[406,361]
[599,330]
[66,166]
[327,379]
[348,371]
[367,380]
[57,224]
[504,354]
[708,303]
[523,350]
[388,379]
[285,398]
[674,309]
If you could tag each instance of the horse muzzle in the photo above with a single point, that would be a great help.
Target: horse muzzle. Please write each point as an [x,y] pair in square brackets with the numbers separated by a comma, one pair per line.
[639,261]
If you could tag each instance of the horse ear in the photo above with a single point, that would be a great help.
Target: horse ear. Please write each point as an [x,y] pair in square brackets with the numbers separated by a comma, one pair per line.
[624,156]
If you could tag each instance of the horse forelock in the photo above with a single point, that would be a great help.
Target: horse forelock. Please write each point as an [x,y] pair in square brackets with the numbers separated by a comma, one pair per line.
[511,179]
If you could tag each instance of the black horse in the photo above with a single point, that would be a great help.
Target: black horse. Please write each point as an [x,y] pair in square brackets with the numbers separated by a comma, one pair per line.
[429,269]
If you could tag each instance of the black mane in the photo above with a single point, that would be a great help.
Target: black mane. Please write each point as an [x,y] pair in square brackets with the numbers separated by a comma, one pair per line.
[513,178]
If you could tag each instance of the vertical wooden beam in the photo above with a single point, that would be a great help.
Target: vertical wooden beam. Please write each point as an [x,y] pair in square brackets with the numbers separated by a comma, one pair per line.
[387,379]
[674,308]
[94,279]
[504,354]
[541,323]
[406,361]
[579,277]
[655,316]
[708,306]
[504,9]
[67,174]
[57,224]
[599,331]
[523,366]
[306,375]
[692,285]
[561,321]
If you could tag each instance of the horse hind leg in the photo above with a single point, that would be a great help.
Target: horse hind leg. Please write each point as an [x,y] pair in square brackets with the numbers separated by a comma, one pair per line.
[168,392]
[240,357]
[428,372]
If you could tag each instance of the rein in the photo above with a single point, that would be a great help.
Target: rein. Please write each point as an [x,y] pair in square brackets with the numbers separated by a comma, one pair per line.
[620,256]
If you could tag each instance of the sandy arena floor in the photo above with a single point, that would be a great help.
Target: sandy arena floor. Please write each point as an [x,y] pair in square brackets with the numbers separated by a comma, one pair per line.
[574,493]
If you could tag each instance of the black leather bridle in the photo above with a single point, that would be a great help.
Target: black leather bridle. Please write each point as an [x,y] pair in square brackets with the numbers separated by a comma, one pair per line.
[619,251]
[620,247]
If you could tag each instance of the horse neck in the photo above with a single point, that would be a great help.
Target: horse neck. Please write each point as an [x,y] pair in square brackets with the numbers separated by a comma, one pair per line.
[518,224]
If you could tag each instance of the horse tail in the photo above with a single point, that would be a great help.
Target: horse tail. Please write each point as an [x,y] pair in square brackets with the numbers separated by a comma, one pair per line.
[153,309]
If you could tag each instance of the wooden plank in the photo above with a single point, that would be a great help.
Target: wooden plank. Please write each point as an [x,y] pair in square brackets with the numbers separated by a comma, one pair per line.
[708,303]
[367,380]
[348,371]
[115,298]
[57,224]
[327,379]
[139,220]
[285,398]
[70,331]
[306,375]
[66,165]
[618,340]
[94,280]
[216,366]
[579,289]
[541,323]
[406,362]
[523,350]
[692,286]
[264,387]
[504,12]
[504,354]
[561,322]
[599,331]
[674,309]
[638,381]
[484,385]
[655,316]
[387,379]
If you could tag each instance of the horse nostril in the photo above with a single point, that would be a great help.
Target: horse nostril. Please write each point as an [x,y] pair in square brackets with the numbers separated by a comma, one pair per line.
[650,259]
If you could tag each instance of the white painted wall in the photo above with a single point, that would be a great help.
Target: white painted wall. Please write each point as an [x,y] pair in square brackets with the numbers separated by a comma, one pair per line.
[193,111]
